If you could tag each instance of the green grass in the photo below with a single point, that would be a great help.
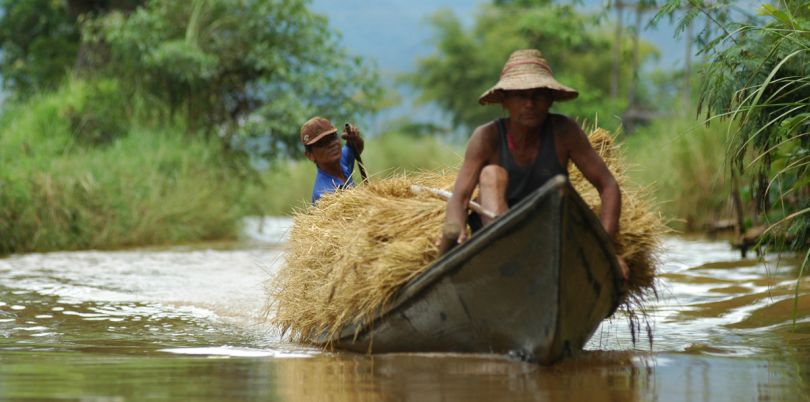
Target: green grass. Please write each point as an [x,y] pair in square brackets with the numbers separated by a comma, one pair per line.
[144,185]
[684,163]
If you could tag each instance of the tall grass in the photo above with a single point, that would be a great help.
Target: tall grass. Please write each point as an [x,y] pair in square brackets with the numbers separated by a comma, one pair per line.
[684,162]
[143,185]
[757,75]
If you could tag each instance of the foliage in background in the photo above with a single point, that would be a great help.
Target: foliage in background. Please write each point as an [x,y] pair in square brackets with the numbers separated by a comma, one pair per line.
[64,185]
[758,76]
[39,41]
[253,68]
[135,131]
[246,71]
[145,187]
[682,163]
[467,62]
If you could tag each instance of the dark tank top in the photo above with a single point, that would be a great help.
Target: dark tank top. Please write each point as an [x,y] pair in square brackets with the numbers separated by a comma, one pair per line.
[523,180]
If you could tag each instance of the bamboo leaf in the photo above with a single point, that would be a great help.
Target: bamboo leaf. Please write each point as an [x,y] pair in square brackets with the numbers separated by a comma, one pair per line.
[770,10]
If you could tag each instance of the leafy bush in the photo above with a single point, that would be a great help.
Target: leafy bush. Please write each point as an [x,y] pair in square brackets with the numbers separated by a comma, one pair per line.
[97,115]
[39,40]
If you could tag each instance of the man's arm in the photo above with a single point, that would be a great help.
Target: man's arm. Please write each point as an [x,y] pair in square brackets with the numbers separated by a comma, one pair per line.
[595,170]
[479,150]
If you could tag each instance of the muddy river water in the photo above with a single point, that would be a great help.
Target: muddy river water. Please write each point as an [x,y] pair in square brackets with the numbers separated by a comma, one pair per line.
[184,323]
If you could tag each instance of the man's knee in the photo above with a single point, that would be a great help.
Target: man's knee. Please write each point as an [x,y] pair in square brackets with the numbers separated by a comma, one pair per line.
[493,175]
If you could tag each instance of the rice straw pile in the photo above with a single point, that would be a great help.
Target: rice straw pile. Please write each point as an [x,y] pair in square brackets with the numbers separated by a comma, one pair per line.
[348,255]
[640,228]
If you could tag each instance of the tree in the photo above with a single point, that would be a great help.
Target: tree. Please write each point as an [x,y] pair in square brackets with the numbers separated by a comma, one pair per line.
[467,62]
[40,40]
[247,71]
[248,68]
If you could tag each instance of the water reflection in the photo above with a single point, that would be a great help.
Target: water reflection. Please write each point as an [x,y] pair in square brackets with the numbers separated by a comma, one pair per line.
[595,377]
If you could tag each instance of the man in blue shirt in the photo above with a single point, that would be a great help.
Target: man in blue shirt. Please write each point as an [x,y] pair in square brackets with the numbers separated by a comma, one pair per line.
[335,163]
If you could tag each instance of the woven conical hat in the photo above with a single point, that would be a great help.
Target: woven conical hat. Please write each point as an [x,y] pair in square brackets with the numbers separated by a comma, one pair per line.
[526,69]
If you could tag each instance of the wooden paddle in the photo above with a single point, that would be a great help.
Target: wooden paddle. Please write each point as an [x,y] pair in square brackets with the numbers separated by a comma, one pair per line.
[357,157]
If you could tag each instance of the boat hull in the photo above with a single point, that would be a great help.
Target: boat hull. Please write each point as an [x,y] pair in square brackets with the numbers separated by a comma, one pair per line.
[535,284]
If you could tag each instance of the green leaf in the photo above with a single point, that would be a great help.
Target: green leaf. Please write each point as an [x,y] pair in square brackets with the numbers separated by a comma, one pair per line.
[770,10]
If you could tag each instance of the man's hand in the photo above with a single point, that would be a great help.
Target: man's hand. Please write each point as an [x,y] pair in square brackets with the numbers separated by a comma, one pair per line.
[352,136]
[452,235]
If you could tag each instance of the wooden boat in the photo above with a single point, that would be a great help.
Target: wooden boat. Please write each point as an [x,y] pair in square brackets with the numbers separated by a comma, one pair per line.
[535,284]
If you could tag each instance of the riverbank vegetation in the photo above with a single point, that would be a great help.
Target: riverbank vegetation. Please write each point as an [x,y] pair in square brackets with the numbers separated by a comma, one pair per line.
[150,183]
[757,79]
[140,122]
[147,122]
[678,160]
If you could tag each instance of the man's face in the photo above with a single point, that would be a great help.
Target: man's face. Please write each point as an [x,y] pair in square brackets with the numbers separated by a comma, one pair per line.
[528,107]
[326,151]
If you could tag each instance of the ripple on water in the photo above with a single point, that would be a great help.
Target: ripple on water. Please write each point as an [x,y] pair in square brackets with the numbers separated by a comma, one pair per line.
[707,294]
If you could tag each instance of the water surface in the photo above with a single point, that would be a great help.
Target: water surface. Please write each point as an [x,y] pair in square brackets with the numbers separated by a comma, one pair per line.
[186,323]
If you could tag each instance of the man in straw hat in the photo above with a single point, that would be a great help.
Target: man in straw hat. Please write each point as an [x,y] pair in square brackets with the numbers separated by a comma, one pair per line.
[510,158]
[335,164]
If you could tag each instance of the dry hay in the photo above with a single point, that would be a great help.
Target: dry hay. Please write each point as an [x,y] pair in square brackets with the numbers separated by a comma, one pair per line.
[349,254]
[640,228]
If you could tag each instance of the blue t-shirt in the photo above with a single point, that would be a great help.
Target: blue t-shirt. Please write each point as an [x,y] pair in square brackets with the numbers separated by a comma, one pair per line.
[326,183]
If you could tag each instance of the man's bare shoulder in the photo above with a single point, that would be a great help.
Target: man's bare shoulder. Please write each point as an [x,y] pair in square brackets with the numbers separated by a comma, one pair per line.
[487,132]
[483,143]
[485,136]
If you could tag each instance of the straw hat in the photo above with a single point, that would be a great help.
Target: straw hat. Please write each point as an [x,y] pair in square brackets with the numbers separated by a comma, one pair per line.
[526,69]
[315,129]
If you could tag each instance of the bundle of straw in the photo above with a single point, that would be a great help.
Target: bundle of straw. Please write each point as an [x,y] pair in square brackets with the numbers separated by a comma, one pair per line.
[349,254]
[640,229]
